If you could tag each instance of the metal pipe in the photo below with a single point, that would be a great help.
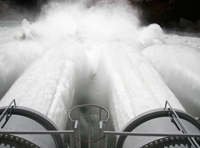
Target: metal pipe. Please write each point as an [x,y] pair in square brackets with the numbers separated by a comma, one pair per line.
[52,132]
[150,134]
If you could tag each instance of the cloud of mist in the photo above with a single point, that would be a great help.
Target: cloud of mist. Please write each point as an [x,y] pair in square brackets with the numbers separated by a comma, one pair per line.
[105,35]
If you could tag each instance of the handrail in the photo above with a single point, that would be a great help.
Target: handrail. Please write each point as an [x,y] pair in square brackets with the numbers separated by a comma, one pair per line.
[180,125]
[102,139]
[6,110]
[94,105]
[51,132]
[75,132]
[54,132]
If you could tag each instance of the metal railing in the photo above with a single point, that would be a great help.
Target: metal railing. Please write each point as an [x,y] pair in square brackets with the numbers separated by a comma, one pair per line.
[180,125]
[90,114]
[5,112]
[75,131]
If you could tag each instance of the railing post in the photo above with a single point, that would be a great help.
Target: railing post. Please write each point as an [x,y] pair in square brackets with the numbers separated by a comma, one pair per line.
[72,140]
[101,134]
[77,135]
[106,136]
[89,125]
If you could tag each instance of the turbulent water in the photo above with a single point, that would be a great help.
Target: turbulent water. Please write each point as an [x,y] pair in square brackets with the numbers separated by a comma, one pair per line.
[96,52]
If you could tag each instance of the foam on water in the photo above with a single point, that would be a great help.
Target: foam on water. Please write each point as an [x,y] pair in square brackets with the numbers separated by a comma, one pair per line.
[72,42]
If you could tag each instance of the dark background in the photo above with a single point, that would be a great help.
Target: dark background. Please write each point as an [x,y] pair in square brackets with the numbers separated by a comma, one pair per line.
[182,15]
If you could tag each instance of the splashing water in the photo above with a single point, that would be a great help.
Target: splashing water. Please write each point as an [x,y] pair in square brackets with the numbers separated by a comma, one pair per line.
[180,69]
[75,48]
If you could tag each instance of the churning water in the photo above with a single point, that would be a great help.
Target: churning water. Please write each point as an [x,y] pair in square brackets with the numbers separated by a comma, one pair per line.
[99,53]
